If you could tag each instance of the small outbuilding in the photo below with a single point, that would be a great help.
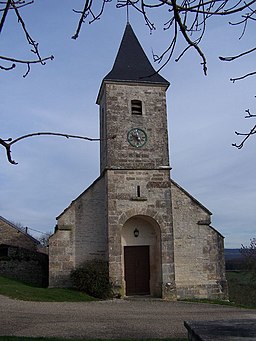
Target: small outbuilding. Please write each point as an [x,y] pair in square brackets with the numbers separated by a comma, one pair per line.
[19,256]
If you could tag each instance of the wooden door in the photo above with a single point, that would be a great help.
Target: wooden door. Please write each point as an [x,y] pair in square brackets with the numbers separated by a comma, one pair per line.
[137,270]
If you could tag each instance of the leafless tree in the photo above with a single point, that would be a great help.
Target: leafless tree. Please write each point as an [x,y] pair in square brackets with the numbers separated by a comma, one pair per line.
[19,225]
[249,253]
[44,238]
[187,19]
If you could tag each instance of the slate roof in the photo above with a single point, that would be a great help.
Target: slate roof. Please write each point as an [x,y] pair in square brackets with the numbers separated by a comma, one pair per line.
[132,64]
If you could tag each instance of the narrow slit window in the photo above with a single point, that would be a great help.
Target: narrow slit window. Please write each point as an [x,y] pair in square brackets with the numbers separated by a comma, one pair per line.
[103,123]
[138,191]
[136,107]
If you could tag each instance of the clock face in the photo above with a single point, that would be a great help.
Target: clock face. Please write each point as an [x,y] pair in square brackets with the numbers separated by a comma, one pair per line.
[137,137]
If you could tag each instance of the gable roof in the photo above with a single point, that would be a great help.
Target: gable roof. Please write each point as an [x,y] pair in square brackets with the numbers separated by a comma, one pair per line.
[18,229]
[132,64]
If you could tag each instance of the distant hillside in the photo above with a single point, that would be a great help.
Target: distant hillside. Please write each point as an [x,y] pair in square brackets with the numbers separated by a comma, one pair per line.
[234,259]
[232,254]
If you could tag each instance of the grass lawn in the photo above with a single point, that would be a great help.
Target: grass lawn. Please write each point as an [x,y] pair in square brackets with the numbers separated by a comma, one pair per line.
[242,291]
[25,292]
[242,288]
[16,338]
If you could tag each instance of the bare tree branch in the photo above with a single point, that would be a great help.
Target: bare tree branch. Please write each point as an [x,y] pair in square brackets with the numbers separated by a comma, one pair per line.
[247,135]
[15,6]
[7,68]
[230,59]
[8,143]
[185,35]
[88,10]
[25,61]
[87,7]
[249,114]
[6,9]
[243,77]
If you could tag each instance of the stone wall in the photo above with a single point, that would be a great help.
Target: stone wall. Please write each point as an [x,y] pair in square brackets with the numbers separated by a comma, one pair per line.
[198,250]
[61,256]
[80,235]
[10,235]
[91,230]
[24,265]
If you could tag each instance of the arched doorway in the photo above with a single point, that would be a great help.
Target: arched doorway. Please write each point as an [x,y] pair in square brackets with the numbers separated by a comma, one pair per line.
[141,256]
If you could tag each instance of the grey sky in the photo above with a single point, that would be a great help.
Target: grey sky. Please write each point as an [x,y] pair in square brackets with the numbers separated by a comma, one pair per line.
[203,113]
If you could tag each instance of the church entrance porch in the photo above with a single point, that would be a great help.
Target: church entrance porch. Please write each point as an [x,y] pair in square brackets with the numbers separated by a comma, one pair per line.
[141,257]
[137,270]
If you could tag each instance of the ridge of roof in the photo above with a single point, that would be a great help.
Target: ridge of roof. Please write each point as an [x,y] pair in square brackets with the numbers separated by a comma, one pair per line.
[132,64]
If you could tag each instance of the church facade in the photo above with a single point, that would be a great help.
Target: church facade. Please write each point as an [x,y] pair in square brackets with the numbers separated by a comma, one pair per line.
[156,237]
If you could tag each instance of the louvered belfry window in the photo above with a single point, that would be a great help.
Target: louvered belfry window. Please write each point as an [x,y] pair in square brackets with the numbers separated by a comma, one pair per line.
[136,107]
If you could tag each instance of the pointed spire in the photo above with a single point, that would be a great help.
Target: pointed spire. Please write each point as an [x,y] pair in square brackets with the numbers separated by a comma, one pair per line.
[127,14]
[132,64]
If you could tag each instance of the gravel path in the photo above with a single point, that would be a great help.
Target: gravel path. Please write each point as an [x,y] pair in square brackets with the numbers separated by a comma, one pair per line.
[139,318]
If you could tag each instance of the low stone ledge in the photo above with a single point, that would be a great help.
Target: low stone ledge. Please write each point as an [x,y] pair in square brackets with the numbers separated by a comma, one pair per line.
[221,330]
[139,199]
[64,227]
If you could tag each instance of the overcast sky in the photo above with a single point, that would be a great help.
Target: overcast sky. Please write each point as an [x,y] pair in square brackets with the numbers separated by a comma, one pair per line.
[203,113]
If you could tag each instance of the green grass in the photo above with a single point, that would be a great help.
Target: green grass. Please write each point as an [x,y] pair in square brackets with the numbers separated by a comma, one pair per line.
[21,291]
[242,288]
[16,338]
[242,291]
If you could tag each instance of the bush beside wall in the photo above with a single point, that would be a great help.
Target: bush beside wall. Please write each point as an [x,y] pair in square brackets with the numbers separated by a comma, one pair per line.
[93,278]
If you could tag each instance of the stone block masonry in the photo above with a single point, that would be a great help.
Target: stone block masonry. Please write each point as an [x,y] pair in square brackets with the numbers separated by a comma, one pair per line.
[118,120]
[198,249]
[80,235]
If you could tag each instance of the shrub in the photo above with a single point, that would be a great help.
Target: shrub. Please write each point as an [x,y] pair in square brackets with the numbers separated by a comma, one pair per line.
[92,277]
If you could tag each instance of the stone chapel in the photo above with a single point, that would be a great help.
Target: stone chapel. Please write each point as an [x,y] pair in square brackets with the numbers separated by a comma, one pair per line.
[156,236]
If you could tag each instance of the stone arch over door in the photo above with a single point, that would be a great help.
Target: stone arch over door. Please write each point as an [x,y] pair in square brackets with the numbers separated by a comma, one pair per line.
[141,256]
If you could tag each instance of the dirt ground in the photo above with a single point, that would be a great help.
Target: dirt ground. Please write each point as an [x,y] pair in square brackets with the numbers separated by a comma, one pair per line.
[138,318]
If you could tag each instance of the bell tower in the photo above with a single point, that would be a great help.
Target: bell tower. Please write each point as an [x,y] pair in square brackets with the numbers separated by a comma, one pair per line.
[135,165]
[133,108]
